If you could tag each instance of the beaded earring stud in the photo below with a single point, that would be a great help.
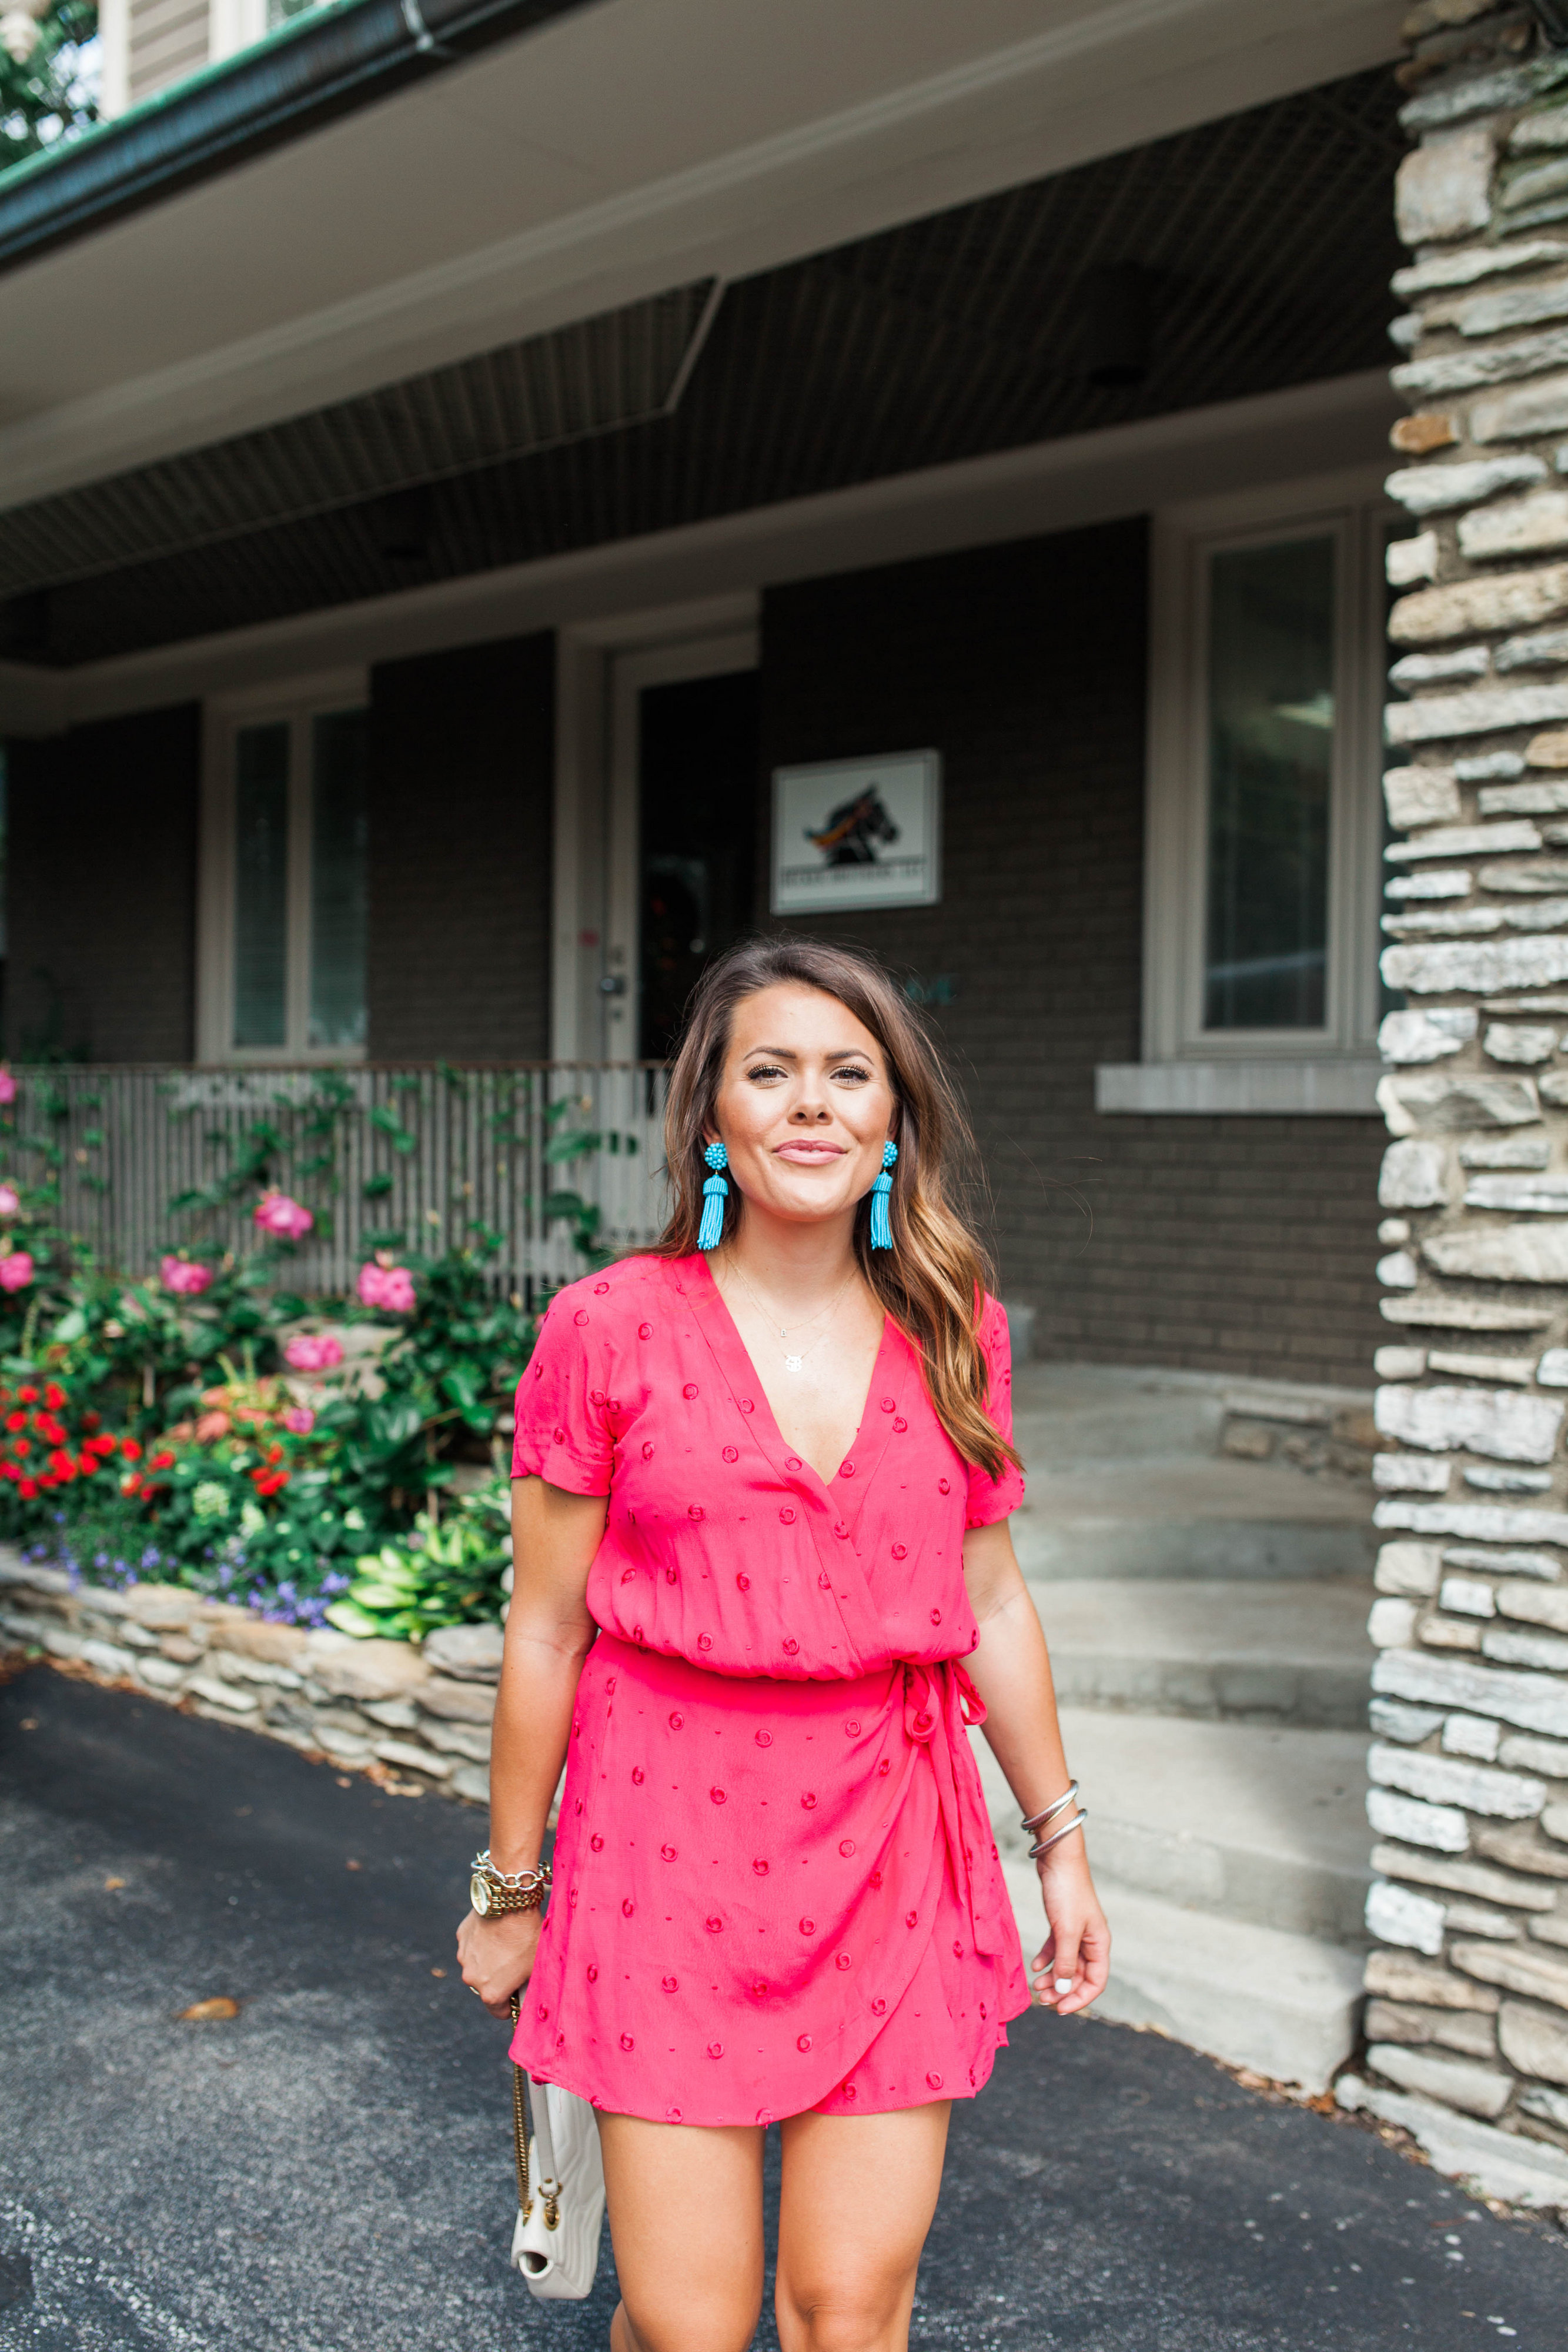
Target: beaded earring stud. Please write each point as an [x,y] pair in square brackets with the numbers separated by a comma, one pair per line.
[715,1191]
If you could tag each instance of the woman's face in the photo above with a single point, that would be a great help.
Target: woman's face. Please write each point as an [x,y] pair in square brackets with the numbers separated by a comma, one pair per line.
[804,1104]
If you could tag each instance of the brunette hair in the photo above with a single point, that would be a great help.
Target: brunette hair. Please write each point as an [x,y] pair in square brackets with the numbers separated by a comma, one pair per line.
[933,1280]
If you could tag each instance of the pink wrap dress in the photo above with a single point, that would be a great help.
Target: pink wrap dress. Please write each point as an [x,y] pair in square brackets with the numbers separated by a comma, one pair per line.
[776,1886]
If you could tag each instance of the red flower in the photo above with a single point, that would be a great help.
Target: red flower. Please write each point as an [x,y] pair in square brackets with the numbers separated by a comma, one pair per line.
[27,1396]
[86,1464]
[132,1451]
[48,1427]
[16,1421]
[269,1482]
[131,1485]
[61,1464]
[28,1487]
[162,1460]
[103,1445]
[90,1419]
[54,1396]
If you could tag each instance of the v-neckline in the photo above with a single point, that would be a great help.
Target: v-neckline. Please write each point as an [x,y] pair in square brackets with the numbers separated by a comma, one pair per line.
[728,1334]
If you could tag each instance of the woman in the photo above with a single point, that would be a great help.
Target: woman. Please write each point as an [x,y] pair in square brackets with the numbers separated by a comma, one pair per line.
[760,1516]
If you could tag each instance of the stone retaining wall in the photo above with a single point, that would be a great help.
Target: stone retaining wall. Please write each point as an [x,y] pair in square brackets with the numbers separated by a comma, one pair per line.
[422,1715]
[1468,2026]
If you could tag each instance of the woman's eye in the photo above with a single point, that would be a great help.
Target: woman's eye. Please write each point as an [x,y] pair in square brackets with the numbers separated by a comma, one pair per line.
[765,1070]
[853,1070]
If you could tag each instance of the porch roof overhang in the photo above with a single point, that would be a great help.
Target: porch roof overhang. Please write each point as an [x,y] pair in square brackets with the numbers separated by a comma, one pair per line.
[1263,246]
[338,211]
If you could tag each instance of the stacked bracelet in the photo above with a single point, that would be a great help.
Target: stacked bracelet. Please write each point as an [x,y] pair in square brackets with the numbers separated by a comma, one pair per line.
[1045,1844]
[1041,1821]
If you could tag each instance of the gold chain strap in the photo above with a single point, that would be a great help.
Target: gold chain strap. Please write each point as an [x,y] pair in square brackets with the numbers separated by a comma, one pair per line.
[521,2127]
[549,2190]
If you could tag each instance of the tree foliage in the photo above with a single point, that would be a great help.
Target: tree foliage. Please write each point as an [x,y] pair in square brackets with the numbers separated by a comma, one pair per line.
[52,93]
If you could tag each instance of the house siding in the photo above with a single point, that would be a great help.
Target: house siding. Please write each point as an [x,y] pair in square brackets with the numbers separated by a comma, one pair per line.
[1232,1244]
[167,40]
[462,780]
[102,890]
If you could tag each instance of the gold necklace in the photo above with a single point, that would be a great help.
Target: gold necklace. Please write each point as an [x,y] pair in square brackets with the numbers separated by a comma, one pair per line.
[792,1363]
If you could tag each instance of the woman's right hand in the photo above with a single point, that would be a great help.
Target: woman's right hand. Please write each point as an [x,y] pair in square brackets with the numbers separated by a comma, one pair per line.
[498,1955]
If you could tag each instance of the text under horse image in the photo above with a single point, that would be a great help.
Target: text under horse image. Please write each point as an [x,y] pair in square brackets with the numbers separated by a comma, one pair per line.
[852,832]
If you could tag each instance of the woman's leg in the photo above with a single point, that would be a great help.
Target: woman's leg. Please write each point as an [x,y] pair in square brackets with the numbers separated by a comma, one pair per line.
[858,2195]
[685,2217]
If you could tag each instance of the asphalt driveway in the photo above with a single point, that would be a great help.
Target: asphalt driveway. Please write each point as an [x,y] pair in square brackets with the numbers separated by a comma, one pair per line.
[330,2170]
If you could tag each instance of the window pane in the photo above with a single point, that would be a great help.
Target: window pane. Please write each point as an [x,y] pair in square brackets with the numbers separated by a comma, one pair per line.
[261,885]
[1270,755]
[339,829]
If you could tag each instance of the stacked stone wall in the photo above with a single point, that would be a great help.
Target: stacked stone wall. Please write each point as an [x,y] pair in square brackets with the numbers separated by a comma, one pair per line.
[1467,2023]
[420,1715]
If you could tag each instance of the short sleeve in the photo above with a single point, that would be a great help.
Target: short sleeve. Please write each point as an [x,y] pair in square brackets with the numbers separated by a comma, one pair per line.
[561,1432]
[991,1499]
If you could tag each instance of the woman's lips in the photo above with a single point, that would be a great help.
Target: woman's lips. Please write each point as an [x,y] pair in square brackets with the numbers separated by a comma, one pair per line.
[809,1154]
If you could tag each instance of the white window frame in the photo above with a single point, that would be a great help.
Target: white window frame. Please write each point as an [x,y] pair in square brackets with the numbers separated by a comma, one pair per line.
[1185,1066]
[296,703]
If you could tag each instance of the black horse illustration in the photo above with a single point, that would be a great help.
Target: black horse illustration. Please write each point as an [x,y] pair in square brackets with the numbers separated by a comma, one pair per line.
[851,832]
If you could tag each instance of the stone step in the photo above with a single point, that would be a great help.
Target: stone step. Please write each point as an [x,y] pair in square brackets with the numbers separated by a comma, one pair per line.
[1285,2005]
[1249,1822]
[1245,1651]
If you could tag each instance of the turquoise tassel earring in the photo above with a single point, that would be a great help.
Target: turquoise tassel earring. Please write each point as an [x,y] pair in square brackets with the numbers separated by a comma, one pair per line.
[715,1191]
[880,1227]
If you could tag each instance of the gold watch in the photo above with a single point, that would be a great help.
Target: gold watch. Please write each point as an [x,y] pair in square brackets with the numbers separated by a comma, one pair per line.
[492,1890]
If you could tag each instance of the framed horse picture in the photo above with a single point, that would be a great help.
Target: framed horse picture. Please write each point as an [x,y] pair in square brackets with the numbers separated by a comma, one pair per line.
[858,833]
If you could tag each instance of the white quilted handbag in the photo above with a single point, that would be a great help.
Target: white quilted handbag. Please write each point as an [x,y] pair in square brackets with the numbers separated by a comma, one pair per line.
[561,2190]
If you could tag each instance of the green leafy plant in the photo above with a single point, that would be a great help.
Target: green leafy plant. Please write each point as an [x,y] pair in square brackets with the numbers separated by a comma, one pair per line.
[446,1571]
[44,94]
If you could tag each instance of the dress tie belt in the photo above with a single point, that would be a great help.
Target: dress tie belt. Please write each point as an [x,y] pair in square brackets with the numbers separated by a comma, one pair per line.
[940,1697]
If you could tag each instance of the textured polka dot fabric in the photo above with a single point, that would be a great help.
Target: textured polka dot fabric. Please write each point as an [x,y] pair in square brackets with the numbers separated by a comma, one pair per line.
[775,1883]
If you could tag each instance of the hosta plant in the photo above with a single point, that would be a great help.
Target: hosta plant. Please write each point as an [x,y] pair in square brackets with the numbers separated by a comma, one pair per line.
[447,1571]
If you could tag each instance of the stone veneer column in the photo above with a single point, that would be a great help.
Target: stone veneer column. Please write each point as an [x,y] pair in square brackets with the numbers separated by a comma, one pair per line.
[1468,2026]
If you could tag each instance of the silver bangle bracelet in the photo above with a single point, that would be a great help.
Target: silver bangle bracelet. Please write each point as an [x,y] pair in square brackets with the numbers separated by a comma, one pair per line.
[1038,1820]
[1079,1818]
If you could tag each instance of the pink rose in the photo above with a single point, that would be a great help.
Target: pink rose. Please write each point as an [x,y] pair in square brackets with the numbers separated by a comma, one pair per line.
[318,1354]
[276,1213]
[15,1271]
[300,1419]
[10,1200]
[184,1277]
[8,1086]
[390,1287]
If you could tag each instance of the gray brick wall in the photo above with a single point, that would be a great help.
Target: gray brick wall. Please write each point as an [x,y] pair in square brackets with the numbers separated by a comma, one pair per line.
[101,889]
[1236,1244]
[462,764]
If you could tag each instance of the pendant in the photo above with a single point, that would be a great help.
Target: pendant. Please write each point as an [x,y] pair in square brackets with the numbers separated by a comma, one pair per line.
[793,1363]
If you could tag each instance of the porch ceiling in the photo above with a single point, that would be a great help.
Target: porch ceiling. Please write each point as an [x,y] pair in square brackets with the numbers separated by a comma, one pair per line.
[1268,235]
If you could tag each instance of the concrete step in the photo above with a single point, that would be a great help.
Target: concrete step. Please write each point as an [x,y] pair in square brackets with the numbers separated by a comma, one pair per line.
[1246,1651]
[1246,1822]
[1125,1479]
[1073,1546]
[1286,2005]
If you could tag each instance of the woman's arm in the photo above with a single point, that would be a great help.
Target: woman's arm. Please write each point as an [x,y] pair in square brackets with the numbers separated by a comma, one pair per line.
[548,1634]
[1011,1671]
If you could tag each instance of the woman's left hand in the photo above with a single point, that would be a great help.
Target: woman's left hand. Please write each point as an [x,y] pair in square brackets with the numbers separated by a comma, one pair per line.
[1071,1967]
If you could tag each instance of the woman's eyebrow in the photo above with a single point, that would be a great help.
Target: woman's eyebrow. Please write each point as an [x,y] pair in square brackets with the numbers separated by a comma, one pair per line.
[786,1054]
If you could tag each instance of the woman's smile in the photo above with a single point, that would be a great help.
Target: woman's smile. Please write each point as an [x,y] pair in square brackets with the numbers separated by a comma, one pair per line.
[804,1150]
